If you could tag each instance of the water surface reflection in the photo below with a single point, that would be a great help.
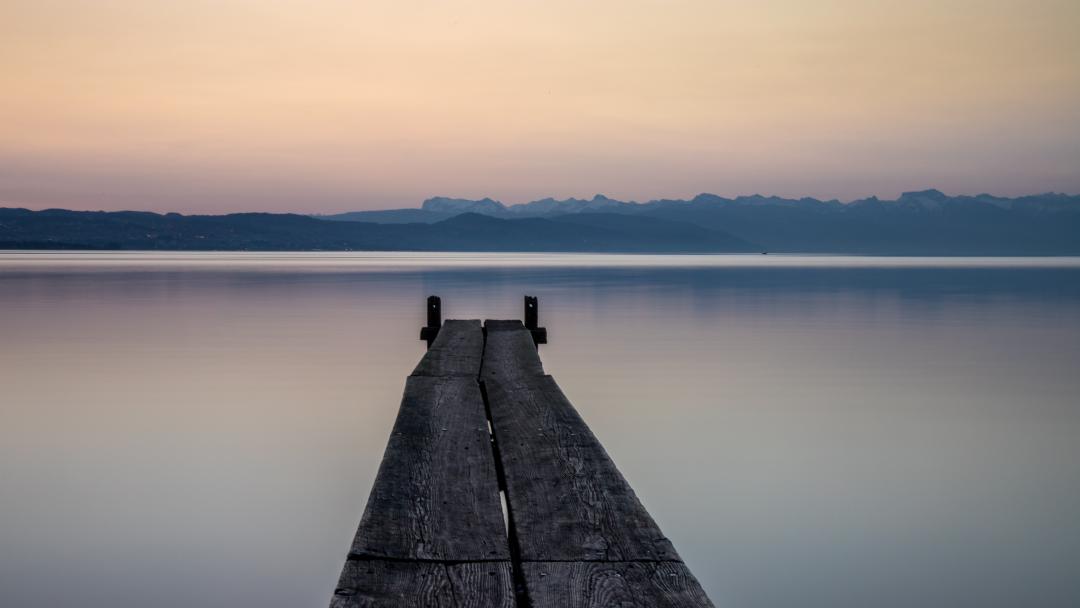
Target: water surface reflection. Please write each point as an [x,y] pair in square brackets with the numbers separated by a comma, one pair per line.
[203,429]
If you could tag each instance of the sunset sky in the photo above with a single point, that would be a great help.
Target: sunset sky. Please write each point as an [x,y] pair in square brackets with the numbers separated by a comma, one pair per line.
[333,105]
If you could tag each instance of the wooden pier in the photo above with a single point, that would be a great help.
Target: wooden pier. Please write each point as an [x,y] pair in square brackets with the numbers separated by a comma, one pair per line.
[493,492]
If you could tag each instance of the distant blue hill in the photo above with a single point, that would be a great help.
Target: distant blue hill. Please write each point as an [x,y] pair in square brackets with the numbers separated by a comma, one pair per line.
[926,222]
[130,230]
[918,223]
[440,208]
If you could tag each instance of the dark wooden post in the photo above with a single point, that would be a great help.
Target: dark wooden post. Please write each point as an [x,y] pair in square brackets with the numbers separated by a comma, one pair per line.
[434,311]
[532,313]
[532,320]
[434,320]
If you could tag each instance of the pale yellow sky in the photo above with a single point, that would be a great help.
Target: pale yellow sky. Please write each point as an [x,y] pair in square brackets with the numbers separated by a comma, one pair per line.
[326,105]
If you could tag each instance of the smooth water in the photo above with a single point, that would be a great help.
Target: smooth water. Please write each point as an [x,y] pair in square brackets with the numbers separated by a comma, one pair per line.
[184,430]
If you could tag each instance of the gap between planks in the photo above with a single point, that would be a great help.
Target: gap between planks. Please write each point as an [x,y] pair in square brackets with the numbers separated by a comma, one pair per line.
[517,570]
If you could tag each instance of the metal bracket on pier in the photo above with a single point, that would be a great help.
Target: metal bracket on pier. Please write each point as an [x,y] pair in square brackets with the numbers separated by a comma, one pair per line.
[434,320]
[532,320]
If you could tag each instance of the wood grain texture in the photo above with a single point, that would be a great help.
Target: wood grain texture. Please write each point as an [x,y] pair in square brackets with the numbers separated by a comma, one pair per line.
[388,584]
[509,353]
[607,584]
[455,352]
[433,534]
[569,501]
[436,495]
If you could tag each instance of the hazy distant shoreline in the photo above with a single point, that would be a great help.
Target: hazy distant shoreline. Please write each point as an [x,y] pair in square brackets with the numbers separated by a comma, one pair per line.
[918,223]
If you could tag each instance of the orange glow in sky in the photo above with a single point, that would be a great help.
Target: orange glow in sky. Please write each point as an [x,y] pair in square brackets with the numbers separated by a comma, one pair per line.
[332,105]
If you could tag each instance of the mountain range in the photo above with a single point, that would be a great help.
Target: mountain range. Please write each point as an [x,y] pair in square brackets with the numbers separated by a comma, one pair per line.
[926,222]
[132,230]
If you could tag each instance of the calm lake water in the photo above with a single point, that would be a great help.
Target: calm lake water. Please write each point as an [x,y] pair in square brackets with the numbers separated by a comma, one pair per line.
[184,430]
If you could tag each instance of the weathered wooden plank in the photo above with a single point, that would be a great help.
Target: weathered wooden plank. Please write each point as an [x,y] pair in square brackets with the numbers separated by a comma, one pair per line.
[455,352]
[433,533]
[436,495]
[568,500]
[503,324]
[605,584]
[391,584]
[509,352]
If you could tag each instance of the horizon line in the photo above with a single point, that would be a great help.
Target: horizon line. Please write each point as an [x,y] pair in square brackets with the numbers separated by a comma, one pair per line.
[13,205]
